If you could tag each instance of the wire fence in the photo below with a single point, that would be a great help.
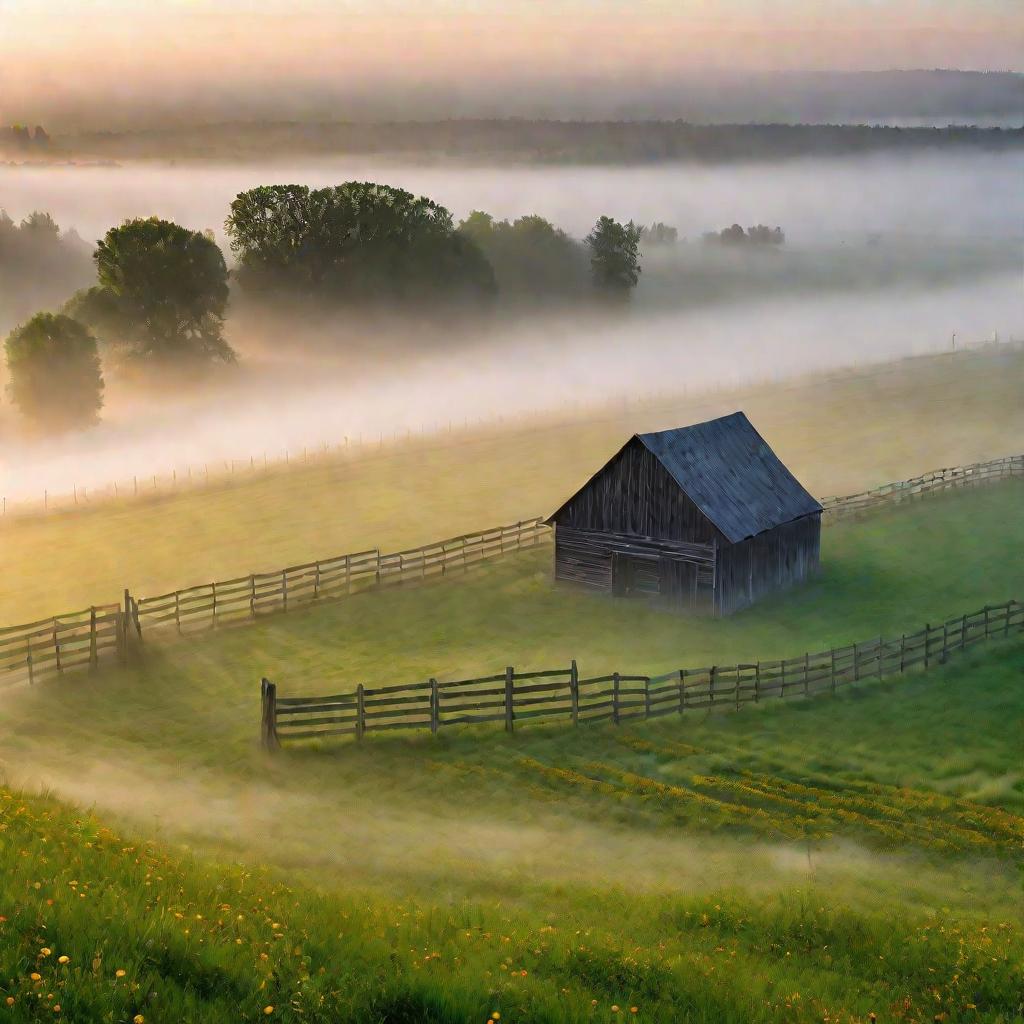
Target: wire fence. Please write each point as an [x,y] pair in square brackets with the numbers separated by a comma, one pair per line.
[514,697]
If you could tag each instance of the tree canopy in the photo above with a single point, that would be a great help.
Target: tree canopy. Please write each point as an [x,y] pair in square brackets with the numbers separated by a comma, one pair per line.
[162,292]
[614,257]
[54,369]
[358,242]
[532,259]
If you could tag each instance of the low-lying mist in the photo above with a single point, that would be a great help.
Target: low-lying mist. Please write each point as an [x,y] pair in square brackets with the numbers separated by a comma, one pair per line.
[286,396]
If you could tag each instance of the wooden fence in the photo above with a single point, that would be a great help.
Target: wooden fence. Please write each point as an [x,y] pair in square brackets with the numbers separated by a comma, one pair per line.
[248,597]
[936,480]
[82,639]
[514,697]
[62,643]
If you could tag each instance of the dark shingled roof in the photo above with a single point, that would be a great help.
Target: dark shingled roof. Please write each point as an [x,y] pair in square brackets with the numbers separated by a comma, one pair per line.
[728,471]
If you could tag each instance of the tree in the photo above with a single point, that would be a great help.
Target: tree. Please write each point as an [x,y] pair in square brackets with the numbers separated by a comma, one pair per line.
[614,259]
[162,292]
[532,259]
[54,370]
[359,242]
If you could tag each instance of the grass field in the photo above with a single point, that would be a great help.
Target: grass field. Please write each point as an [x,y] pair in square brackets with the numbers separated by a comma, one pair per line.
[820,860]
[847,858]
[183,721]
[839,434]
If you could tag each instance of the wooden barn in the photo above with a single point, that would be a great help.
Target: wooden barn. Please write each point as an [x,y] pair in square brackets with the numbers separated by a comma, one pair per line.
[703,517]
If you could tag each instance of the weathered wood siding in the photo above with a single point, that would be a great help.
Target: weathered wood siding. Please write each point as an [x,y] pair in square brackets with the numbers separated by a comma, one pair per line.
[778,558]
[676,572]
[635,495]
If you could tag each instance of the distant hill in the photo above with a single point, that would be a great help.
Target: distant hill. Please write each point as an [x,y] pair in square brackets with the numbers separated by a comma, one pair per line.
[533,141]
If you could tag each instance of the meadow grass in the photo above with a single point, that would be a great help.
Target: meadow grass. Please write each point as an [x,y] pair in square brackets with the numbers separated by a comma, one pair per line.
[103,927]
[839,433]
[174,734]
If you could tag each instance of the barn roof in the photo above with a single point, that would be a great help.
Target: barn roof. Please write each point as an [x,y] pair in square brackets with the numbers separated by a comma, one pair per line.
[731,474]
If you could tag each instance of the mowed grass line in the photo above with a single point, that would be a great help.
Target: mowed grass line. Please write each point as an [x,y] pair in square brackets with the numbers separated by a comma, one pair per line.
[839,433]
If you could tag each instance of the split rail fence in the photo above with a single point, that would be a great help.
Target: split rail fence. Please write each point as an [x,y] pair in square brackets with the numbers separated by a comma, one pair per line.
[82,639]
[513,697]
[63,643]
[937,480]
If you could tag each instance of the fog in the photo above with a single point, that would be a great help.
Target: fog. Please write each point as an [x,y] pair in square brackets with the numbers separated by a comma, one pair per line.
[962,195]
[558,364]
[302,385]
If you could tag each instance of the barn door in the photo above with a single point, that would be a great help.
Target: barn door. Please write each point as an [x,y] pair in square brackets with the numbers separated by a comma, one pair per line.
[635,576]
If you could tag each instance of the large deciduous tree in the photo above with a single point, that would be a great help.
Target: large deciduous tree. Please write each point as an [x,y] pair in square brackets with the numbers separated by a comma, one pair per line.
[162,292]
[614,257]
[359,242]
[54,371]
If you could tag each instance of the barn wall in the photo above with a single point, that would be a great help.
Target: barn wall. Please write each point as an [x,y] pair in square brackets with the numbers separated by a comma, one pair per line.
[778,558]
[635,495]
[675,572]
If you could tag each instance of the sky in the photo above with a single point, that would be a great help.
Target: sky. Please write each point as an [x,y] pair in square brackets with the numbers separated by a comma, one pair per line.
[96,59]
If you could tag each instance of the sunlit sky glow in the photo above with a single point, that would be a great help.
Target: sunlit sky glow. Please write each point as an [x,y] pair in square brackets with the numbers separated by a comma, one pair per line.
[83,54]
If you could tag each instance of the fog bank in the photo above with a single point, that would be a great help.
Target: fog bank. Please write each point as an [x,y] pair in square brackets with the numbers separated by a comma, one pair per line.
[560,364]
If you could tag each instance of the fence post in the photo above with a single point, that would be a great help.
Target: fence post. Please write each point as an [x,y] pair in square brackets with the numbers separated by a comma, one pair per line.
[131,615]
[856,666]
[435,710]
[878,667]
[268,727]
[903,652]
[807,672]
[56,647]
[711,684]
[509,717]
[986,622]
[832,663]
[615,697]
[93,652]
[647,696]
[682,690]
[927,638]
[348,574]
[574,692]
[736,685]
[963,632]
[31,671]
[213,587]
[360,712]
[284,590]
[252,595]
[945,643]
[316,580]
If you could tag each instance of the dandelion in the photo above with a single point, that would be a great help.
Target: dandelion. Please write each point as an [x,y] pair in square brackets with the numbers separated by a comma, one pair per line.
[495,1015]
[56,1007]
[615,1009]
[63,959]
[45,951]
[268,1010]
[119,973]
[10,1000]
[35,976]
[634,1009]
[138,1019]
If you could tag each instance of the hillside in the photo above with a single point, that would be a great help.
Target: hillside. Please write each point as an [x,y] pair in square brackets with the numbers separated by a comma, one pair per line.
[839,433]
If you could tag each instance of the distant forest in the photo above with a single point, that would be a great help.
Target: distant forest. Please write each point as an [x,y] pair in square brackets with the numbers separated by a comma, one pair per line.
[527,141]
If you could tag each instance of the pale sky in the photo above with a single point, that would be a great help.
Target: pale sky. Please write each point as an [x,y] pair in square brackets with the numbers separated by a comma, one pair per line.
[87,55]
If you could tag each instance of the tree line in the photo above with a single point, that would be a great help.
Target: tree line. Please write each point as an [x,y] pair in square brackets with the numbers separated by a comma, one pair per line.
[161,290]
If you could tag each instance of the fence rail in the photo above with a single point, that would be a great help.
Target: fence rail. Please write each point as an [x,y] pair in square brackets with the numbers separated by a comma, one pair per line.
[62,643]
[936,480]
[514,697]
[248,597]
